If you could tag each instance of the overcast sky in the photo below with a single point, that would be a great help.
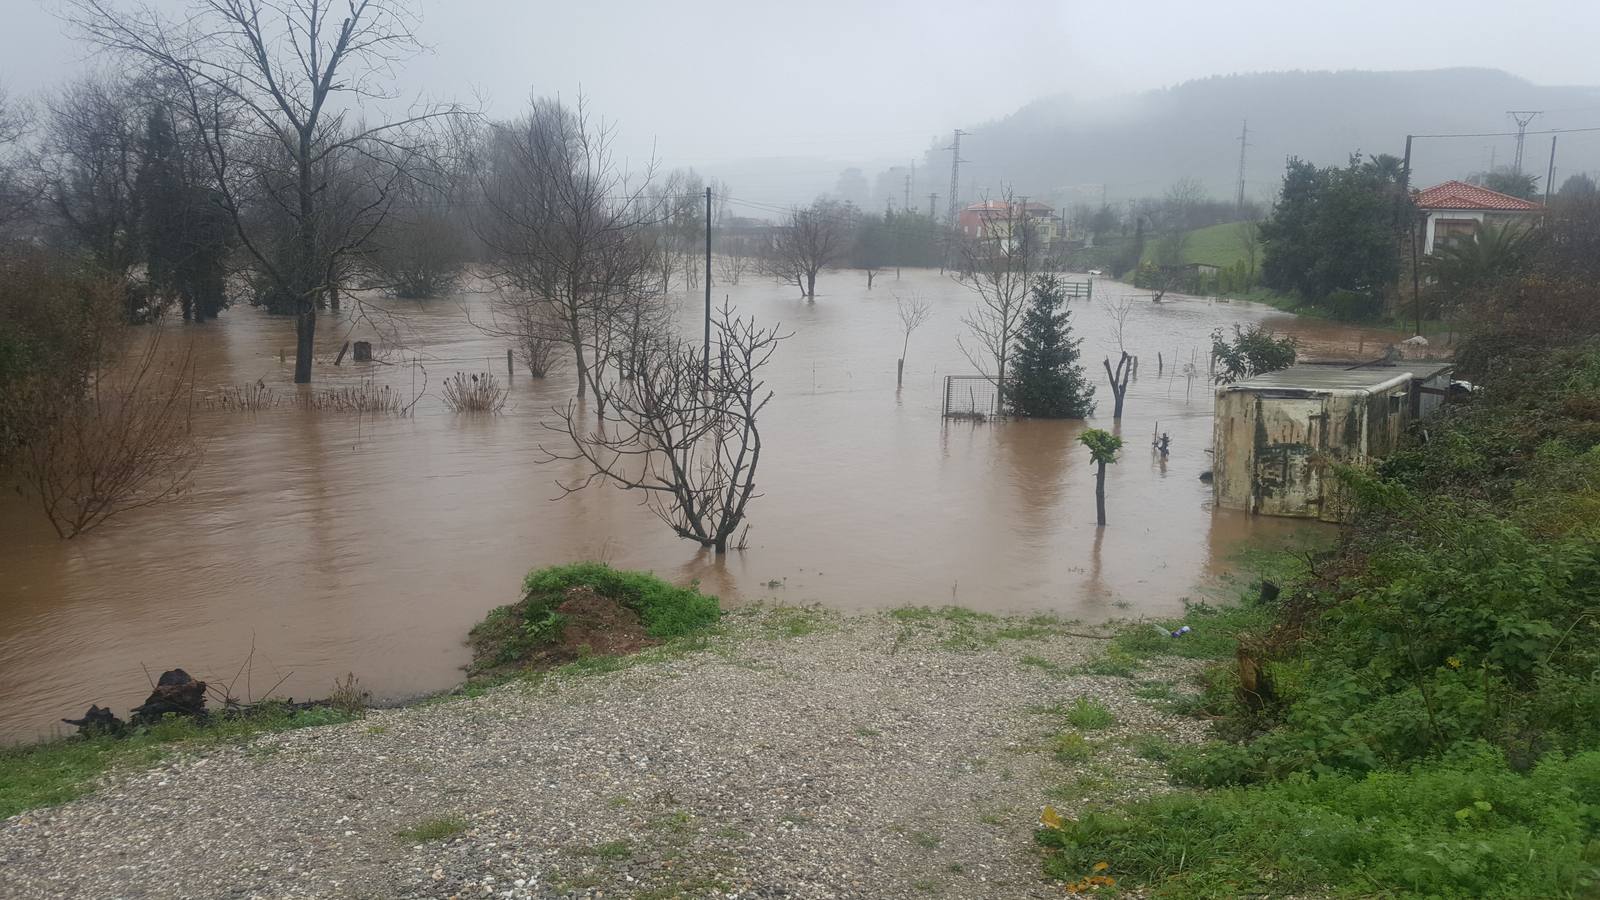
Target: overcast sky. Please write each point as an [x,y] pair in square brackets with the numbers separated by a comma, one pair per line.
[875,79]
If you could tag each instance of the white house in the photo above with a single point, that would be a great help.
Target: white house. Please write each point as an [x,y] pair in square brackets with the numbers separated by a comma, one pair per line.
[1455,208]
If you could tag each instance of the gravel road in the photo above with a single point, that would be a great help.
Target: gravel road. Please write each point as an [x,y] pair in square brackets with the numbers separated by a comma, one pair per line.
[799,755]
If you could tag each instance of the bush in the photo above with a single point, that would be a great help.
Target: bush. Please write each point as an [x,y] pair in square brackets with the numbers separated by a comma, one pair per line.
[1423,706]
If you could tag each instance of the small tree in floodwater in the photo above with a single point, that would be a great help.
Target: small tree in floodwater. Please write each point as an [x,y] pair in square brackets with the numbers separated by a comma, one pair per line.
[914,313]
[685,436]
[1103,447]
[1047,381]
[1253,351]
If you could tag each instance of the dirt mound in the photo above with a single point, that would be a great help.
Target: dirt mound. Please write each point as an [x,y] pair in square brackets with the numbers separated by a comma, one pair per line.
[596,626]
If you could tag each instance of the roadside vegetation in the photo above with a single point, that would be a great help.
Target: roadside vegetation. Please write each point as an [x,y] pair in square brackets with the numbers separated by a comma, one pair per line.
[583,610]
[1416,712]
[54,772]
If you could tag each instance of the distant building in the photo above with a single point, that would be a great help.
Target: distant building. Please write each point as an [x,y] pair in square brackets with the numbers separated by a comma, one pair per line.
[1454,209]
[995,220]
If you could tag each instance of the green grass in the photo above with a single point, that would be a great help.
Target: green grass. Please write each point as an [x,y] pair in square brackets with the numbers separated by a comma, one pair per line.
[1213,245]
[1463,828]
[1090,715]
[55,772]
[781,622]
[433,829]
[1072,747]
[510,635]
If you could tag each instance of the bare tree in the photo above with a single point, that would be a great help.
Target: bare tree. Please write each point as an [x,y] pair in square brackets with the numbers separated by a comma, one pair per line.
[811,239]
[17,194]
[529,324]
[1119,378]
[688,441]
[1119,312]
[914,313]
[123,441]
[567,228]
[89,163]
[1001,261]
[274,83]
[733,259]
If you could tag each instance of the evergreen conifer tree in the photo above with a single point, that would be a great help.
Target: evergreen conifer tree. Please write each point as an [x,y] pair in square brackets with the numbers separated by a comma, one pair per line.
[1046,380]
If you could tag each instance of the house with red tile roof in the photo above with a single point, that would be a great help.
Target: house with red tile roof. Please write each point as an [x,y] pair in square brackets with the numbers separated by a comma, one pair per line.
[1455,209]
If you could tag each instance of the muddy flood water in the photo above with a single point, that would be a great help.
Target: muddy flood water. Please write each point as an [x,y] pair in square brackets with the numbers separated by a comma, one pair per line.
[332,543]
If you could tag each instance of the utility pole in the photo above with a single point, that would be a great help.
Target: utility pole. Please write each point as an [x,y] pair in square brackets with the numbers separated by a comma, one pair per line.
[933,200]
[906,205]
[706,361]
[1244,135]
[1411,230]
[1522,117]
[1550,173]
[955,174]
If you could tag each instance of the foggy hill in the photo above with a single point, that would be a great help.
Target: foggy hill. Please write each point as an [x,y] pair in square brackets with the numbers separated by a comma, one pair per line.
[1062,149]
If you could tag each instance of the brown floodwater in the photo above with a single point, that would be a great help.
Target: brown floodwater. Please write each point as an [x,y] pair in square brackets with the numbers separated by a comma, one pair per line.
[332,543]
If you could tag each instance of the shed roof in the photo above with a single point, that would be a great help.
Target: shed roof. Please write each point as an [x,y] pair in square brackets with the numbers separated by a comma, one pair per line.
[1340,378]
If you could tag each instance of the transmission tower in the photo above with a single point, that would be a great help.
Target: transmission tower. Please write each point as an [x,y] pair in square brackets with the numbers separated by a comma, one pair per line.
[933,203]
[1244,141]
[955,173]
[1522,118]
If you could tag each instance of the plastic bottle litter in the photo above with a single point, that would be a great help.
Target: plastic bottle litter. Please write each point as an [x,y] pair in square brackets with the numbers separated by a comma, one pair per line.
[1181,631]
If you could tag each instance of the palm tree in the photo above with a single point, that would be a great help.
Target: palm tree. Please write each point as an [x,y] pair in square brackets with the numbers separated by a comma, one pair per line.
[1491,254]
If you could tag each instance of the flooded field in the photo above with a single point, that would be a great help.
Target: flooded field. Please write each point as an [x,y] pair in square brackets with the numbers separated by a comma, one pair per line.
[332,543]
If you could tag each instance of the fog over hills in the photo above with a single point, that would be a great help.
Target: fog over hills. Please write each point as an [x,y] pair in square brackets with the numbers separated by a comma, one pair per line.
[1063,150]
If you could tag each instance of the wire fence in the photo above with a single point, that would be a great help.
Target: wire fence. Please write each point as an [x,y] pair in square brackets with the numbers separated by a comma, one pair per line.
[970,397]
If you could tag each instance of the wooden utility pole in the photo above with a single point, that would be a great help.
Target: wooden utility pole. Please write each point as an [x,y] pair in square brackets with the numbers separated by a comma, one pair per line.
[1411,229]
[1550,173]
[706,361]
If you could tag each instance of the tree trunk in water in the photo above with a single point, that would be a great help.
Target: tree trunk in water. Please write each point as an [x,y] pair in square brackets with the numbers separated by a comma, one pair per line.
[899,372]
[811,285]
[305,329]
[1100,495]
[1117,412]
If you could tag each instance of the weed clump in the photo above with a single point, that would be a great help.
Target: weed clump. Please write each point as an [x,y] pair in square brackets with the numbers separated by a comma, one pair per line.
[586,611]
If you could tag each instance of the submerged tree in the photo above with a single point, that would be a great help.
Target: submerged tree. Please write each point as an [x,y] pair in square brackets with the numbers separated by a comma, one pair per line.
[685,437]
[568,234]
[1047,381]
[187,236]
[1001,259]
[812,239]
[1103,447]
[274,88]
[1253,351]
[914,313]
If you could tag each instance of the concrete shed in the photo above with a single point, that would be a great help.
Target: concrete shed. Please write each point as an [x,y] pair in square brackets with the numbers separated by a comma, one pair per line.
[1276,435]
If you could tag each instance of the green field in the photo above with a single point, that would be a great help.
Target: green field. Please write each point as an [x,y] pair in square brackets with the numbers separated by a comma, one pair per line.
[1214,245]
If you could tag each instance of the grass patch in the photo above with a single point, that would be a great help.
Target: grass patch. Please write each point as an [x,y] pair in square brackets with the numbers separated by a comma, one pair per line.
[1467,828]
[1047,666]
[1072,748]
[433,830]
[526,632]
[55,772]
[1090,715]
[927,840]
[1115,663]
[782,622]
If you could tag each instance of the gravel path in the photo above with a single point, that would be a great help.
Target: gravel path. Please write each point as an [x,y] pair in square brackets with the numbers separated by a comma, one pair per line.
[799,756]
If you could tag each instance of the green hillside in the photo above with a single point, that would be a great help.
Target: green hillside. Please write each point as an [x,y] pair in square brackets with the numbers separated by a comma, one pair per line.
[1214,245]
